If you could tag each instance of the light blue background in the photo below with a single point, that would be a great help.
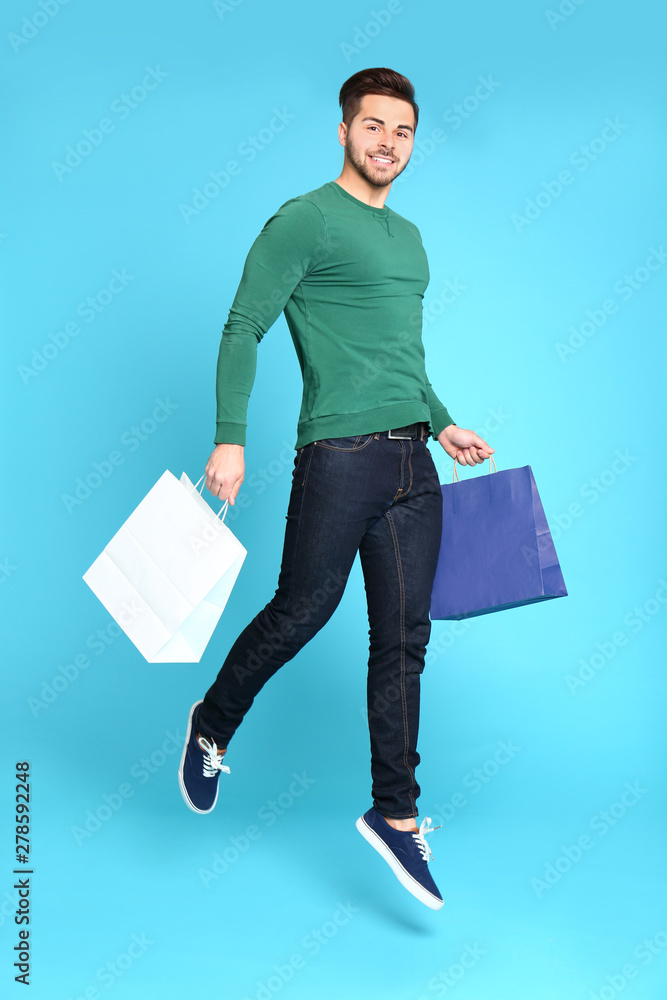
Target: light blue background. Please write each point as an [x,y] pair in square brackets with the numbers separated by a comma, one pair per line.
[493,358]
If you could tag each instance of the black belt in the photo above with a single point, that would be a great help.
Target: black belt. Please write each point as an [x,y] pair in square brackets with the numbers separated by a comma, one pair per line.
[412,432]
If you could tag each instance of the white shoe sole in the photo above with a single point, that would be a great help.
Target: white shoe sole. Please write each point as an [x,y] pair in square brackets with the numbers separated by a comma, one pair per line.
[403,876]
[181,782]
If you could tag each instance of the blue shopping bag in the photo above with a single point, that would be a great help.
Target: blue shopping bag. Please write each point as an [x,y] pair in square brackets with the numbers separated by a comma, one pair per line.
[496,550]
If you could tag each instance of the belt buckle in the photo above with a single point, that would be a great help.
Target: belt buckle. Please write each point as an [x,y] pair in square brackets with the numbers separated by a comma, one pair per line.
[399,437]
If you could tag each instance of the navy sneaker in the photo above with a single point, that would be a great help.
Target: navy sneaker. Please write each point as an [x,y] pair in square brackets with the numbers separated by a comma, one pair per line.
[406,853]
[201,764]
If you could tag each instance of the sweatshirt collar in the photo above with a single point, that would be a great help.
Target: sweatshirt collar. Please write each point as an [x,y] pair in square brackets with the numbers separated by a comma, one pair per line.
[369,208]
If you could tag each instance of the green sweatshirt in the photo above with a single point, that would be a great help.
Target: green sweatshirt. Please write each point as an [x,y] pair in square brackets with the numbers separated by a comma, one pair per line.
[350,279]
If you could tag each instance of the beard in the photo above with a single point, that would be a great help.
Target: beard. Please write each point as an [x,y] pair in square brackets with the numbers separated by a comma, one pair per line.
[374,174]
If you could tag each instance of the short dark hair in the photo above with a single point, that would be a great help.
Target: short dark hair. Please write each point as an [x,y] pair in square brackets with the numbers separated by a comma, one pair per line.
[378,80]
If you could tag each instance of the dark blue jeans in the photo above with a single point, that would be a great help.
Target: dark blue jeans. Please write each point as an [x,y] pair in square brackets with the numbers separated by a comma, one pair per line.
[380,497]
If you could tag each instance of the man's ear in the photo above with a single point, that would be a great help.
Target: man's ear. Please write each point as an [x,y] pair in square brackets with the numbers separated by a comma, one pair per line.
[342,133]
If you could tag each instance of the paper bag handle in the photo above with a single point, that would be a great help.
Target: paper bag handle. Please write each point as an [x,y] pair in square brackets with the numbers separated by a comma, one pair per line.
[225,504]
[455,475]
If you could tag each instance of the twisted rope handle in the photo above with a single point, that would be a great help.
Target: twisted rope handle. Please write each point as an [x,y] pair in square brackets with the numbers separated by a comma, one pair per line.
[224,506]
[455,475]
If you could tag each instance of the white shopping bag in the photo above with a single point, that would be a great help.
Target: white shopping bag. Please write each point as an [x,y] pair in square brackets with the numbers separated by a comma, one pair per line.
[167,573]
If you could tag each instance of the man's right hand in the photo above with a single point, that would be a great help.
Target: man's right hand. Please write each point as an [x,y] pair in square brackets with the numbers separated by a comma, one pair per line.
[225,471]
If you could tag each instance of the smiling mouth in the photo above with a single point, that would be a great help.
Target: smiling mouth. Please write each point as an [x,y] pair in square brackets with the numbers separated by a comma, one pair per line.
[381,160]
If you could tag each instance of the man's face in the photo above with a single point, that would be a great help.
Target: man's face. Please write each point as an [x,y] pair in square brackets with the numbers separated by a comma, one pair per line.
[379,140]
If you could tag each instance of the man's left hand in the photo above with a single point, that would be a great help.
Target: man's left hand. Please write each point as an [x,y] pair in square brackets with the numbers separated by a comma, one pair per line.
[464,446]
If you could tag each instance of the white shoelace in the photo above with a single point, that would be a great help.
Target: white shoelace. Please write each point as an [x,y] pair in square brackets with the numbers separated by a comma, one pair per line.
[420,837]
[212,761]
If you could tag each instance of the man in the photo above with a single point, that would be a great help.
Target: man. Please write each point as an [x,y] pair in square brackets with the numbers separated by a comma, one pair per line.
[350,274]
